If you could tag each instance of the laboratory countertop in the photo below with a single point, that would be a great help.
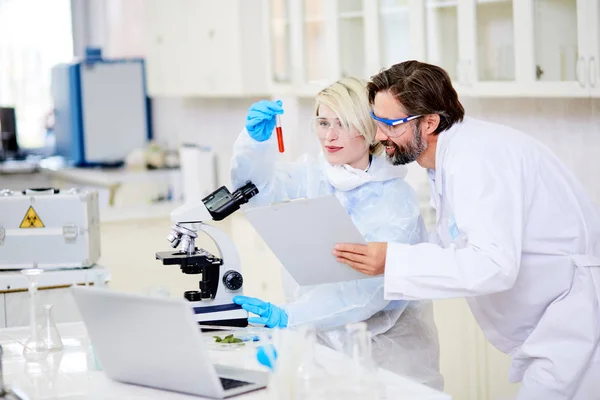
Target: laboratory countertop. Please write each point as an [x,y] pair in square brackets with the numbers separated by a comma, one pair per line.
[138,212]
[73,372]
[13,280]
[105,177]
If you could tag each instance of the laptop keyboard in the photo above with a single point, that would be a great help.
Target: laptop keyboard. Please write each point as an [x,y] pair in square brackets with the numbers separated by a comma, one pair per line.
[232,383]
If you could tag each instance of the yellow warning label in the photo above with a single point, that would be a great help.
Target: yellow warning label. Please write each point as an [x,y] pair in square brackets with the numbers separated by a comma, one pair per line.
[31,220]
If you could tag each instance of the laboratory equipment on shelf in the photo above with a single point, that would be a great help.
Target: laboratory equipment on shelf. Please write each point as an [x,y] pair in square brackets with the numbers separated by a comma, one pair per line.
[49,228]
[35,347]
[221,276]
[102,111]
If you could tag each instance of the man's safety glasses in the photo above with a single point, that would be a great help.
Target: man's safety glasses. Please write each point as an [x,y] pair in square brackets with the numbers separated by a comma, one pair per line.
[393,127]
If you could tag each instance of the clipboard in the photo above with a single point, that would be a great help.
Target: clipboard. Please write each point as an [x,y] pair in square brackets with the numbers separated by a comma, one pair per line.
[302,233]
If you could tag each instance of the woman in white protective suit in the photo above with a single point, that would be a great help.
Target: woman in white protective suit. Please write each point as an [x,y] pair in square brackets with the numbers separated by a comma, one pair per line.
[381,204]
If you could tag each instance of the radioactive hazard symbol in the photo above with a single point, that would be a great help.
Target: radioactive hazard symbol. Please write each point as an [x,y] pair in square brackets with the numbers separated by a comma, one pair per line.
[31,220]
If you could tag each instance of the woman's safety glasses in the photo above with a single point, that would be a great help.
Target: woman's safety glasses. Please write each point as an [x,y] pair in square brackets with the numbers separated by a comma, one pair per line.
[321,126]
[393,127]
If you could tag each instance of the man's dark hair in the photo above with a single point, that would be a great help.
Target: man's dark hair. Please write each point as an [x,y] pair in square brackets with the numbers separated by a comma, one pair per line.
[421,89]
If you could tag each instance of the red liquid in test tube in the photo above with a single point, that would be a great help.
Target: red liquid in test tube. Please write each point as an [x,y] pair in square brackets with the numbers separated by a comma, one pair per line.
[279,135]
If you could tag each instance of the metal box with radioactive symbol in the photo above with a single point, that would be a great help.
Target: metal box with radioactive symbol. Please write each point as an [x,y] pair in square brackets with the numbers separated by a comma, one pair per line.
[49,229]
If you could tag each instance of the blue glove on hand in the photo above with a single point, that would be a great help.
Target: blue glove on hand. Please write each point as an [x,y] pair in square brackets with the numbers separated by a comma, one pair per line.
[270,315]
[267,355]
[260,120]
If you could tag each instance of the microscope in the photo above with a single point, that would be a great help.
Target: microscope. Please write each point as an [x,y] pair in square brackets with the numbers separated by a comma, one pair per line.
[221,276]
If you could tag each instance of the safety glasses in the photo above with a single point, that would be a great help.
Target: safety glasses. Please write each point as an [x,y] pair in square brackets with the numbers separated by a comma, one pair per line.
[321,127]
[393,127]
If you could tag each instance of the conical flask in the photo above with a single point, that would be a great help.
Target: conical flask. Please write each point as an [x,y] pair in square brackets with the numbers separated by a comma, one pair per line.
[49,331]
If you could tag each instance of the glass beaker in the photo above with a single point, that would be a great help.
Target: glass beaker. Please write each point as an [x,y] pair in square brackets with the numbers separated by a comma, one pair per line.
[35,347]
[364,369]
[311,377]
[49,331]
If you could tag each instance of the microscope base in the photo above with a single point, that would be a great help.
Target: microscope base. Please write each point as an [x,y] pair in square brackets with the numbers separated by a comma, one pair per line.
[221,315]
[207,326]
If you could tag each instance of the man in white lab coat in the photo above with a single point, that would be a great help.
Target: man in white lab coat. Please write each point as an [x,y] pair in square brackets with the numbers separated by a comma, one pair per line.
[516,234]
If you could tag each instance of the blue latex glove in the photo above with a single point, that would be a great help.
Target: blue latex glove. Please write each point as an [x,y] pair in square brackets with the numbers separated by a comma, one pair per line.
[266,355]
[260,120]
[270,315]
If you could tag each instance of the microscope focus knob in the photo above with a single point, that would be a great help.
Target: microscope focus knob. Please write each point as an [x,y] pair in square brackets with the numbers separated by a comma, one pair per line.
[233,280]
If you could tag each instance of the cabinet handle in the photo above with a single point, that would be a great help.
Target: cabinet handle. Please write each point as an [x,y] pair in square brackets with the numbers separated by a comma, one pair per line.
[579,73]
[592,72]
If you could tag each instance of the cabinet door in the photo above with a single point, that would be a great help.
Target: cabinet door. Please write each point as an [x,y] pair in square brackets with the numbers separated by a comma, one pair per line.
[553,47]
[495,44]
[280,41]
[315,43]
[193,48]
[447,32]
[395,19]
[493,56]
[351,25]
[593,37]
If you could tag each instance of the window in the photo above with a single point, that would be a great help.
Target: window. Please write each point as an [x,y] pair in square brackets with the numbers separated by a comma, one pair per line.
[35,35]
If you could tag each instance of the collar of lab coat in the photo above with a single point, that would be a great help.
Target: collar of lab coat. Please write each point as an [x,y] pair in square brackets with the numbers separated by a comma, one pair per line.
[444,140]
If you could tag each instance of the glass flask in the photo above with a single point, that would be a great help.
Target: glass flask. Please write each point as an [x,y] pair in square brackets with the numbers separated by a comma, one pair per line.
[49,331]
[363,373]
[311,377]
[35,347]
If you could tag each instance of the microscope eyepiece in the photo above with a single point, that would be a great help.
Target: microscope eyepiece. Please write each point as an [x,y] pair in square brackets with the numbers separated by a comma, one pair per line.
[245,193]
[221,203]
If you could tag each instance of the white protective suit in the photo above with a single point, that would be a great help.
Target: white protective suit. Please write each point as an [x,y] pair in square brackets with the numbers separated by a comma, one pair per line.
[384,208]
[518,236]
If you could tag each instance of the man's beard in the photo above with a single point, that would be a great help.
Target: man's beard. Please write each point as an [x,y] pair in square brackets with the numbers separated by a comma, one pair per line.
[409,152]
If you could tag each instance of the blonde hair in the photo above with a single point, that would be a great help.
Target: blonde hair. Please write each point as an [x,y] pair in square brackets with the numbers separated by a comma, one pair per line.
[349,100]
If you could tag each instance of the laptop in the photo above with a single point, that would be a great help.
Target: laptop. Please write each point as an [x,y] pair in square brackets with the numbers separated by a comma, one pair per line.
[156,342]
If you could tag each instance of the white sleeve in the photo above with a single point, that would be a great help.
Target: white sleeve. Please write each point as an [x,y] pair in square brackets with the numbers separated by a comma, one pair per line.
[486,195]
[336,304]
[276,181]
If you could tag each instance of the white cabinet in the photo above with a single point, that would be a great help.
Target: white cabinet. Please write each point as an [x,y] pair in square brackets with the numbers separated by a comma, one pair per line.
[204,48]
[554,47]
[490,48]
[524,48]
[313,43]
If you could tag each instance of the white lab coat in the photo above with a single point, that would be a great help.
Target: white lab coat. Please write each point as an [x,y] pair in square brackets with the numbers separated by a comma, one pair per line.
[519,237]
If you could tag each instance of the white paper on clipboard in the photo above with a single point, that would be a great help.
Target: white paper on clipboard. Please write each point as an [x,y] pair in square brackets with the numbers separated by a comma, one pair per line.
[302,233]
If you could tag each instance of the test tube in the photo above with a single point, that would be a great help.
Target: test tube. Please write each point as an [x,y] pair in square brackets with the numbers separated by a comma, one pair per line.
[279,134]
